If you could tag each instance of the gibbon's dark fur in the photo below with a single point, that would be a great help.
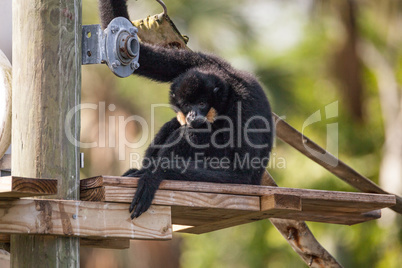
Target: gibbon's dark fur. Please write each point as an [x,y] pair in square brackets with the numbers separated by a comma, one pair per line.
[201,85]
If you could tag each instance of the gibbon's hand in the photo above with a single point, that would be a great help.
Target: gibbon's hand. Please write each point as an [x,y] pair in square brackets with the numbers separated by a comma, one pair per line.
[147,186]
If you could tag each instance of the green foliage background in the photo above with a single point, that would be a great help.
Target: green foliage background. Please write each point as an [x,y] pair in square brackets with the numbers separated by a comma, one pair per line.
[289,45]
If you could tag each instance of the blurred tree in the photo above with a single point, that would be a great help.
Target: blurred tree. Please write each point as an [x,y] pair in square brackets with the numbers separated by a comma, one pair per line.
[347,67]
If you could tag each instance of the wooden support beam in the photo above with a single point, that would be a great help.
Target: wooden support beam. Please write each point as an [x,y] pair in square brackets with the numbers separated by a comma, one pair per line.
[15,187]
[45,115]
[83,219]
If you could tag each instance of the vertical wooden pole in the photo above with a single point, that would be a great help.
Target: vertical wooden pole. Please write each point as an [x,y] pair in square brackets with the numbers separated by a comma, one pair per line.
[46,86]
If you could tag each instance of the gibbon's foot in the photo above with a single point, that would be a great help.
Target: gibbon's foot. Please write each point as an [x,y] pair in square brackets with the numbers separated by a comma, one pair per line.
[147,186]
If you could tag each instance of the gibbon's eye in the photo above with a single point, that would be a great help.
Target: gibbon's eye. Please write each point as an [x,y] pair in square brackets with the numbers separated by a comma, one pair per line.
[216,89]
[202,105]
[186,105]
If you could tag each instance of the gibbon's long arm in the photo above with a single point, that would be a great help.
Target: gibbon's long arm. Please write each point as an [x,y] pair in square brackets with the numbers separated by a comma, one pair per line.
[157,63]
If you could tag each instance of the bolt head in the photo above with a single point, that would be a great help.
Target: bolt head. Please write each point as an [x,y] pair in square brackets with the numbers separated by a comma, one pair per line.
[115,64]
[114,28]
[133,31]
[136,65]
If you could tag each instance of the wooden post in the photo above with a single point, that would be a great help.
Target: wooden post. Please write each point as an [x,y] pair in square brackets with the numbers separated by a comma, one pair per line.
[46,86]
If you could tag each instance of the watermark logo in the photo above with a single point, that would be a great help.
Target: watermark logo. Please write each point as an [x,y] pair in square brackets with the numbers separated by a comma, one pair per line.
[236,133]
[331,111]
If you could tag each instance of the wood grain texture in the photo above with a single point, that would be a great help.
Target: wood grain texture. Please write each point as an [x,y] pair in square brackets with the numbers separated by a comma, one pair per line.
[46,87]
[82,219]
[94,194]
[15,187]
[175,198]
[98,181]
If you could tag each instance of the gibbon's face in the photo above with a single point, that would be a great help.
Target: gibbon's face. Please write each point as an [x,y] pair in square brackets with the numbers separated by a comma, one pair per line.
[195,97]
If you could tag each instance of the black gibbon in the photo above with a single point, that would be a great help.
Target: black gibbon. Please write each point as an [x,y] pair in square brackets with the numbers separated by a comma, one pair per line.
[223,131]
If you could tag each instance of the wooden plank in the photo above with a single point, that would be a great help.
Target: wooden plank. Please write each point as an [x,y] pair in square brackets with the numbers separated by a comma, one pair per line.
[300,142]
[344,201]
[12,186]
[94,194]
[175,198]
[272,206]
[200,216]
[194,218]
[83,219]
[205,205]
[98,181]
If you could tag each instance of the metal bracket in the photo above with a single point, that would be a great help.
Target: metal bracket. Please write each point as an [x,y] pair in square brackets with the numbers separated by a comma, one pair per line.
[117,46]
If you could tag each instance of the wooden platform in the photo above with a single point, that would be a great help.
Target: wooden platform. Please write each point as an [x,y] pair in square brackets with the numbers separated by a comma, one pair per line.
[102,217]
[199,207]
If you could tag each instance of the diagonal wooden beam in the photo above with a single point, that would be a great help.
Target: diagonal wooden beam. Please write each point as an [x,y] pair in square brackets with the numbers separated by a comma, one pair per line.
[300,238]
[294,138]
